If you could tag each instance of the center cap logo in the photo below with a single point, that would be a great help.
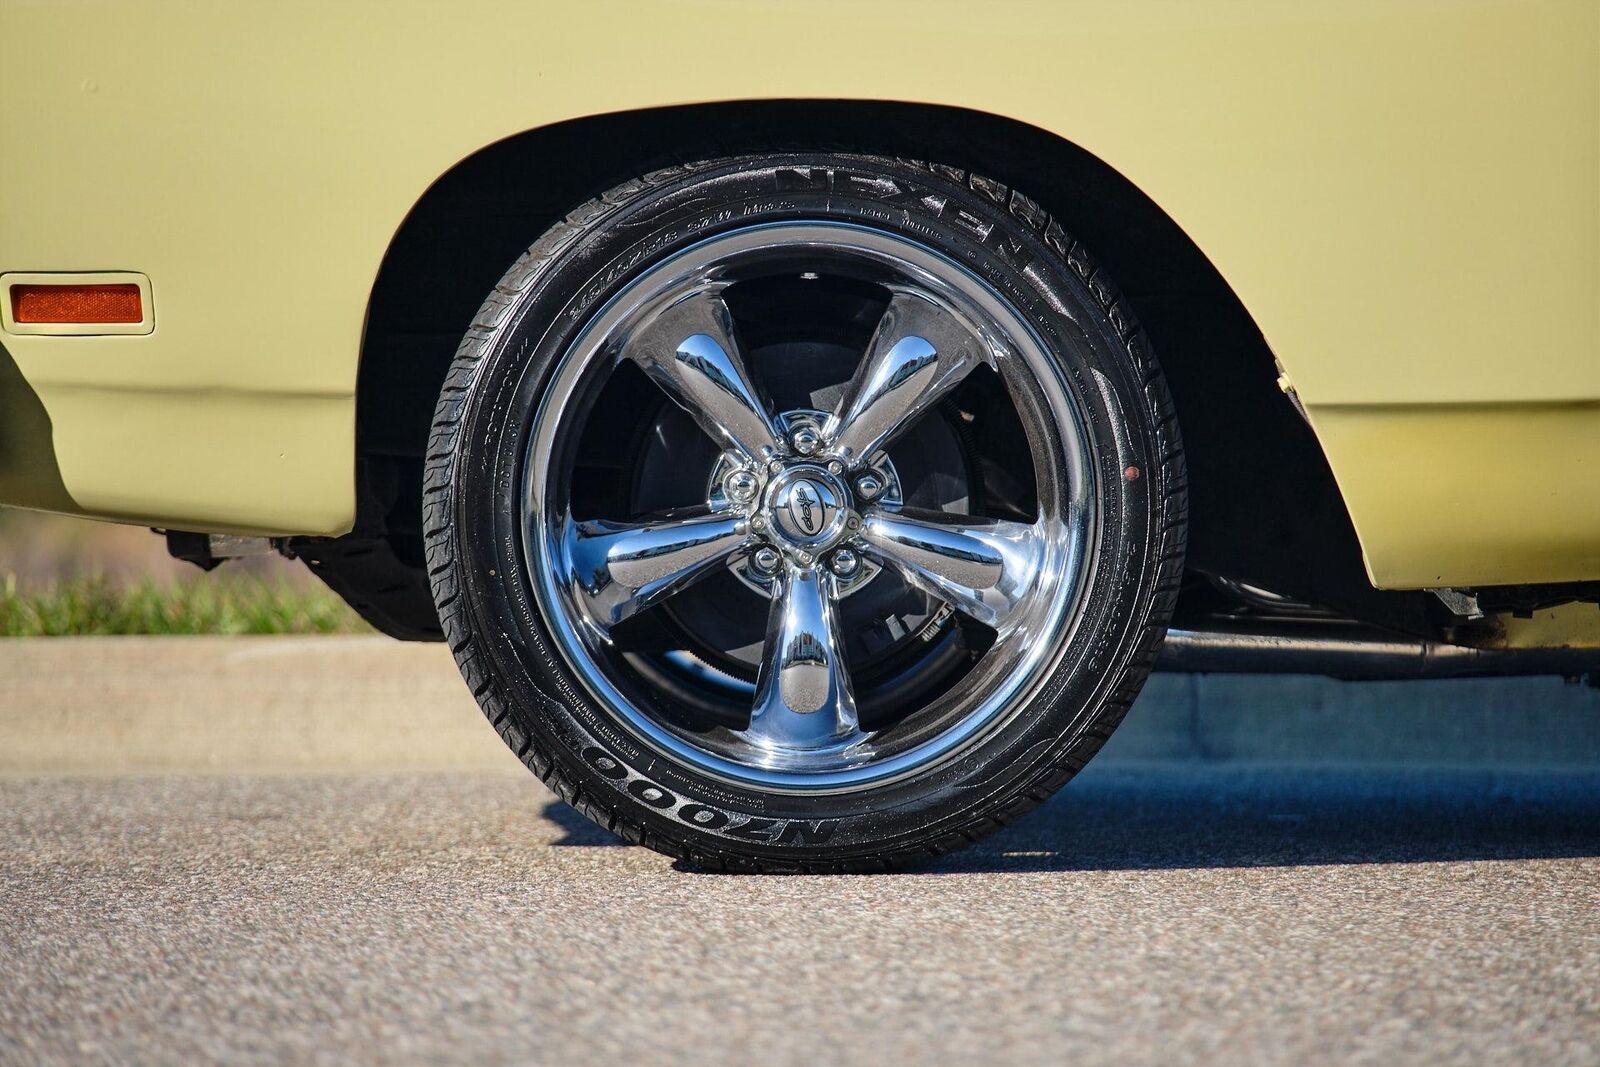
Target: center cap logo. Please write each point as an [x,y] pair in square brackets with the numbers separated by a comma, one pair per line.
[806,511]
[805,507]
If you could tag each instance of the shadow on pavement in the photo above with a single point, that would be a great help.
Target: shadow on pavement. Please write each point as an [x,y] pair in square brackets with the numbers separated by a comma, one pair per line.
[576,829]
[1131,818]
[1122,818]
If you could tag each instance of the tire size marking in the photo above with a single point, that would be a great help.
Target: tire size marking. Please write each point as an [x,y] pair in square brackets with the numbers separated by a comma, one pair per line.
[704,816]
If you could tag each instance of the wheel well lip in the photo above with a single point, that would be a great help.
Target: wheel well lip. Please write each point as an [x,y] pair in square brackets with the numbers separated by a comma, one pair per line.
[1099,203]
[666,112]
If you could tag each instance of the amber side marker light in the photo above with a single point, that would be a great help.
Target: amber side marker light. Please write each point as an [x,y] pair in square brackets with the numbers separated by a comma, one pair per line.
[76,303]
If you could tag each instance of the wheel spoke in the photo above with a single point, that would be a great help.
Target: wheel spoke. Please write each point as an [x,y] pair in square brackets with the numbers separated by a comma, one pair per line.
[621,568]
[690,351]
[918,353]
[983,567]
[803,695]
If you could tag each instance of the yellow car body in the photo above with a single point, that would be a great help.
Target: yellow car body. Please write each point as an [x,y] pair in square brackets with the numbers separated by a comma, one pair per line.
[1404,194]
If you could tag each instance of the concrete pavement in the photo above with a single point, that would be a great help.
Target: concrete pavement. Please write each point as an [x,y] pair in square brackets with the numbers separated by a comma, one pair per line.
[115,705]
[1147,915]
[1254,871]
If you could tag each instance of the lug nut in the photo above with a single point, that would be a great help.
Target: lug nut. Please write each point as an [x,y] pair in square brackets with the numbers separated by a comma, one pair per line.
[740,486]
[844,563]
[868,486]
[806,440]
[765,559]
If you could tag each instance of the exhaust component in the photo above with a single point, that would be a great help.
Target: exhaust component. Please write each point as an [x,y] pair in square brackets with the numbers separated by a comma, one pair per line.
[1351,651]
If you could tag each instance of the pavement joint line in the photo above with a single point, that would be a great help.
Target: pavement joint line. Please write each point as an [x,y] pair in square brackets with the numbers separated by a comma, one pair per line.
[134,705]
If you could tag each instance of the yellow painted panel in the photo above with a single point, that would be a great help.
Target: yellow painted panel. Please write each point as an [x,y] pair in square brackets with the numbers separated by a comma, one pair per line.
[166,458]
[1470,495]
[1574,625]
[1405,193]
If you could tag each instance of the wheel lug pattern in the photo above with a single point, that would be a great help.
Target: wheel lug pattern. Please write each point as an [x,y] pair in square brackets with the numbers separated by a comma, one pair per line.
[740,486]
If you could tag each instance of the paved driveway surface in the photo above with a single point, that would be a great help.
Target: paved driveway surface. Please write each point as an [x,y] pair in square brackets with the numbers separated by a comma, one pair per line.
[1147,915]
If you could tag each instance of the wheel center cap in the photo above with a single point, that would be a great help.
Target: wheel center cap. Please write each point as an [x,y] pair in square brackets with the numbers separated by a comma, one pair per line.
[806,506]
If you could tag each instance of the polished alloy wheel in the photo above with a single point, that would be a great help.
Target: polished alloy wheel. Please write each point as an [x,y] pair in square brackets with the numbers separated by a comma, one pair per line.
[805,511]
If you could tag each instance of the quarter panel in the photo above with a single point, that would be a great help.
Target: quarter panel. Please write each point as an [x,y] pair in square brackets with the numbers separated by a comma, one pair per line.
[1405,193]
[1485,494]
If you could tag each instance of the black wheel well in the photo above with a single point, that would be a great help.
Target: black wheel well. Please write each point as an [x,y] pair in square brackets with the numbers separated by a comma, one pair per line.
[1264,508]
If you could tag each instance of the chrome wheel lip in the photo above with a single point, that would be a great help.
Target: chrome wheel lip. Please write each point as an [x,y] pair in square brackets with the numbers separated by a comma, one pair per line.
[1016,350]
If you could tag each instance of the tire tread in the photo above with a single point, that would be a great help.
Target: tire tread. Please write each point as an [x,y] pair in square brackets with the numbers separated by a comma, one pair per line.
[998,811]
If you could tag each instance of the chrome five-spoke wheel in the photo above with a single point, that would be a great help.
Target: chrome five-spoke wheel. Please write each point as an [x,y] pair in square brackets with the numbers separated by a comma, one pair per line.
[804,512]
[803,494]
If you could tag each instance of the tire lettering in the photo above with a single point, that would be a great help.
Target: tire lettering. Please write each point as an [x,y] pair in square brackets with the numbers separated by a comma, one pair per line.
[704,816]
[808,833]
[895,191]
[793,179]
[979,228]
[1010,249]
[606,765]
[651,794]
[754,829]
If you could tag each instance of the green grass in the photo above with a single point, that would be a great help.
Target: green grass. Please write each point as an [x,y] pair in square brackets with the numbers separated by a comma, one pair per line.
[212,605]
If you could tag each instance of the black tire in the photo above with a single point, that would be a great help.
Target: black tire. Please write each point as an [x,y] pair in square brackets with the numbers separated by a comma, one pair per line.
[491,617]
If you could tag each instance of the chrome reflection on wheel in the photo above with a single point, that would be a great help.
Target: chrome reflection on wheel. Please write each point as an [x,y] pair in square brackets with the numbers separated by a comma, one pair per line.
[808,506]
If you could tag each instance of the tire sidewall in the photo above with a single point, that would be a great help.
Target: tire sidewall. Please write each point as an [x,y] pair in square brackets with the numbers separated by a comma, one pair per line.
[993,232]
